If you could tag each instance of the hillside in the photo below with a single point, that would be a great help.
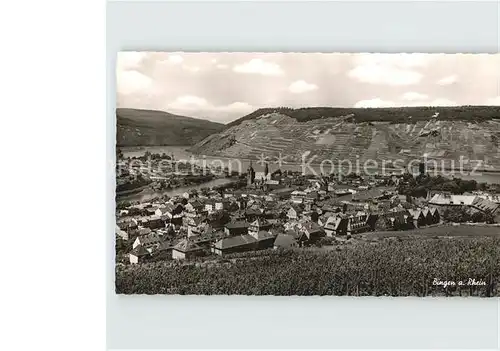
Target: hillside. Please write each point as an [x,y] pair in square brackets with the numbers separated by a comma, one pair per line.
[379,134]
[146,127]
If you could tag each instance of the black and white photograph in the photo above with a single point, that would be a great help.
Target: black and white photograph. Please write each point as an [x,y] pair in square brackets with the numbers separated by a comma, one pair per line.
[307,174]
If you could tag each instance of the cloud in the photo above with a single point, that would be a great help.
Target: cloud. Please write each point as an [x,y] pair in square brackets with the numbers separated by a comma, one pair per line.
[388,75]
[301,86]
[448,80]
[259,66]
[193,69]
[126,60]
[493,101]
[397,60]
[413,96]
[222,66]
[130,82]
[187,104]
[175,59]
[389,69]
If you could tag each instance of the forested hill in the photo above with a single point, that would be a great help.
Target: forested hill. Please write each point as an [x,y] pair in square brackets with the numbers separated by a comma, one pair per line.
[389,114]
[148,127]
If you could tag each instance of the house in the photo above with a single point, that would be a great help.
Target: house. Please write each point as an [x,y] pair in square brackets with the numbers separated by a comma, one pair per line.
[286,241]
[164,250]
[242,243]
[195,225]
[272,184]
[241,202]
[263,239]
[143,231]
[336,225]
[371,220]
[207,239]
[254,212]
[436,218]
[357,223]
[258,225]
[166,210]
[194,205]
[221,204]
[398,219]
[312,216]
[210,206]
[238,243]
[150,210]
[236,228]
[293,212]
[451,200]
[474,202]
[237,216]
[297,196]
[311,197]
[150,242]
[313,231]
[419,218]
[121,233]
[186,249]
[127,224]
[154,222]
[486,206]
[427,215]
[325,209]
[138,255]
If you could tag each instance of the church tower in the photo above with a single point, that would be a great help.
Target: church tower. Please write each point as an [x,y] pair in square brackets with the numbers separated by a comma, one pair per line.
[250,174]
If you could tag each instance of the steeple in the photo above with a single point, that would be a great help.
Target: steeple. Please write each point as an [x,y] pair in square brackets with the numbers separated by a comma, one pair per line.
[250,174]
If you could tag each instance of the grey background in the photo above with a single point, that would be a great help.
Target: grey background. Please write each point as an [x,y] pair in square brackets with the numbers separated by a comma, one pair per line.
[143,322]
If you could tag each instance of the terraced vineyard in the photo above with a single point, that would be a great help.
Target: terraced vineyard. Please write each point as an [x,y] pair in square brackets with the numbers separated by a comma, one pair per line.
[341,138]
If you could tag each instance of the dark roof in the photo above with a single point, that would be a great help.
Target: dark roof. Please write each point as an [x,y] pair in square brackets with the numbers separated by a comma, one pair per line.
[149,239]
[252,211]
[312,227]
[144,231]
[166,245]
[186,245]
[264,235]
[485,205]
[139,251]
[261,222]
[237,225]
[208,237]
[285,240]
[196,203]
[165,210]
[234,241]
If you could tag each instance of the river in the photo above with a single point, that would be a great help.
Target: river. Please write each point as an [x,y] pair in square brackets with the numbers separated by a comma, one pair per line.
[148,193]
[181,153]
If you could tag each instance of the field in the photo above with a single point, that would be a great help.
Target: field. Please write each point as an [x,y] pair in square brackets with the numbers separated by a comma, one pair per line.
[390,267]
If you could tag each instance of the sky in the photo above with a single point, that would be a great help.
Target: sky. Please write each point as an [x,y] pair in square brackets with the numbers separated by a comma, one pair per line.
[222,87]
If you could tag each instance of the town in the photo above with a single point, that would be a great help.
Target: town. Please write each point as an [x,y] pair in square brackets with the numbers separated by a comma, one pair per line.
[274,209]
